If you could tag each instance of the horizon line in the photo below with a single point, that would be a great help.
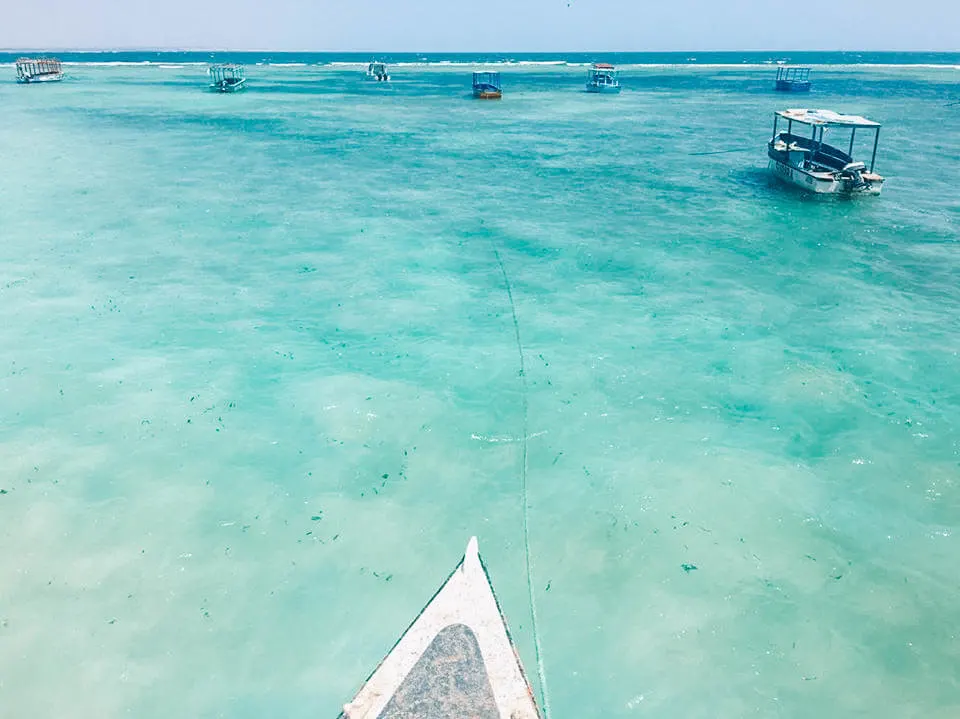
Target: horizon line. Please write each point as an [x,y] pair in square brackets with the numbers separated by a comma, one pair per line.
[12,50]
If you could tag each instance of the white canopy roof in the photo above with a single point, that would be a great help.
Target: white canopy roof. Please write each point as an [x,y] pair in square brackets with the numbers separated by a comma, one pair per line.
[826,118]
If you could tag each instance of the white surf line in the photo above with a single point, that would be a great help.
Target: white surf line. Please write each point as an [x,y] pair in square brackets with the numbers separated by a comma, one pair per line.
[523,492]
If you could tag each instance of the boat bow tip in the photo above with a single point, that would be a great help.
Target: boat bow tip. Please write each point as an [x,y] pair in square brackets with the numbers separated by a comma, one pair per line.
[471,558]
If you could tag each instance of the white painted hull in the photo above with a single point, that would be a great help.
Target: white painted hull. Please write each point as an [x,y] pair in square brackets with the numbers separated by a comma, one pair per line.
[428,669]
[228,87]
[603,89]
[41,78]
[819,186]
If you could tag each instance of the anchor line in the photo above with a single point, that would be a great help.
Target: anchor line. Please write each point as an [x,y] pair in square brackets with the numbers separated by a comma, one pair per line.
[541,674]
[720,152]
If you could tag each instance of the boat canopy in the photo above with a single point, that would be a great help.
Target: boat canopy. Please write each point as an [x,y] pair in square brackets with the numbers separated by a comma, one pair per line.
[602,66]
[826,118]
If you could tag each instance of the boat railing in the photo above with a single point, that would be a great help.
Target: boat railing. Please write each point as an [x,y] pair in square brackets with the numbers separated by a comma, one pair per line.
[603,77]
[28,68]
[793,74]
[486,79]
[226,73]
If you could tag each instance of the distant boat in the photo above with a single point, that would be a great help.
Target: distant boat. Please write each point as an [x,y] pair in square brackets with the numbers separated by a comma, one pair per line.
[39,69]
[378,71]
[812,164]
[793,79]
[455,660]
[602,77]
[486,86]
[227,77]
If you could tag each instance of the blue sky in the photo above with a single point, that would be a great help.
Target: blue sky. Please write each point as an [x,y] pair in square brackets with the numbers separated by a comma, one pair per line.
[493,25]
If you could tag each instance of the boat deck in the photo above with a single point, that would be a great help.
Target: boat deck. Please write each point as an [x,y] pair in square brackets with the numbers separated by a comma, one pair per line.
[455,660]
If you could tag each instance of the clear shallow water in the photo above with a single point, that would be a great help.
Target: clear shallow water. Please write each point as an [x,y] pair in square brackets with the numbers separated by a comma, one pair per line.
[260,384]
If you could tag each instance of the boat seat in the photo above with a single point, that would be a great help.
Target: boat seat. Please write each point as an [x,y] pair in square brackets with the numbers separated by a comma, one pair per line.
[854,167]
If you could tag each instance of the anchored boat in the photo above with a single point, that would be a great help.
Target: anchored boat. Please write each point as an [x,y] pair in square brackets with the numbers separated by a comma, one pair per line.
[227,77]
[39,69]
[810,163]
[455,660]
[793,79]
[486,86]
[378,71]
[602,77]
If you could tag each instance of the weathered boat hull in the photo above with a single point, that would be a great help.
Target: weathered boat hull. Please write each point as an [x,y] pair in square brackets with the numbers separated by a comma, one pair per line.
[482,94]
[821,185]
[455,660]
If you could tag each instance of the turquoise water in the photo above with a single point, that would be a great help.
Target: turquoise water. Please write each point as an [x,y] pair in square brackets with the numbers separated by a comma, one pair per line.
[260,384]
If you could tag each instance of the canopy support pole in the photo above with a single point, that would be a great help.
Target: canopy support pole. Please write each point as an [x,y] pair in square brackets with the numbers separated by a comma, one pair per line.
[876,141]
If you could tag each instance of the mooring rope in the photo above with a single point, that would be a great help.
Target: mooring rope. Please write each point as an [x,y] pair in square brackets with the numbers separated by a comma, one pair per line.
[720,152]
[541,675]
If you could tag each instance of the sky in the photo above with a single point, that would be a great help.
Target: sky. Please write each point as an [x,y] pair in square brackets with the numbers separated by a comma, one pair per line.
[491,25]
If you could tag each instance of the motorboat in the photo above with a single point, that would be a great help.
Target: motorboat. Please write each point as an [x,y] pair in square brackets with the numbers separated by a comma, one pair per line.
[807,161]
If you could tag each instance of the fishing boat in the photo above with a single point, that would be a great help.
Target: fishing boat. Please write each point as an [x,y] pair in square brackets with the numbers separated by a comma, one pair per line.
[810,163]
[378,71]
[455,660]
[39,69]
[793,79]
[486,86]
[602,77]
[227,77]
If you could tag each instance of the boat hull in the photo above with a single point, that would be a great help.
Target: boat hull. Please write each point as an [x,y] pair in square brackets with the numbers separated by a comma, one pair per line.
[821,185]
[40,78]
[793,86]
[456,660]
[228,86]
[487,94]
[604,89]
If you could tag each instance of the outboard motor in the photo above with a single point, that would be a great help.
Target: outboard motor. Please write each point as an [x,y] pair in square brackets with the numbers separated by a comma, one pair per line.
[852,175]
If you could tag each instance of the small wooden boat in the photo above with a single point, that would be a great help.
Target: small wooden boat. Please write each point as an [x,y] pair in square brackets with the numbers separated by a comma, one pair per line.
[39,69]
[812,164]
[455,660]
[378,71]
[602,77]
[486,86]
[793,79]
[227,77]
